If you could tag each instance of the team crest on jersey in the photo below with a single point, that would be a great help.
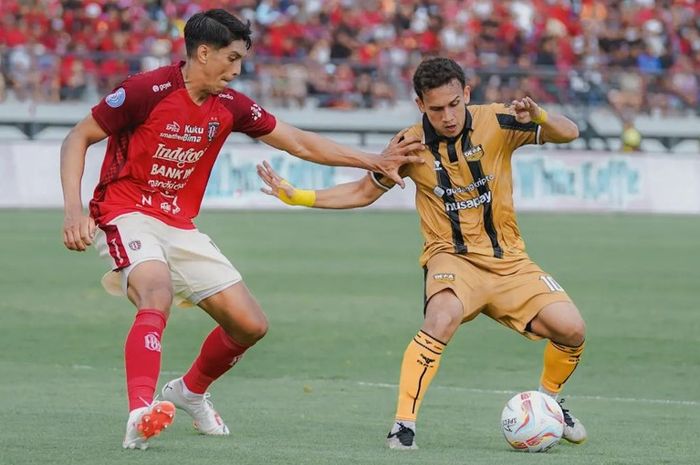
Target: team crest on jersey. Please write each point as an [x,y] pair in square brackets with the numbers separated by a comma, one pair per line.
[474,153]
[212,129]
[116,98]
[135,245]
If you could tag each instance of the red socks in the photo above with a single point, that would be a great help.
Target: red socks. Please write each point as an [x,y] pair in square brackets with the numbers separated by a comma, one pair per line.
[218,354]
[142,356]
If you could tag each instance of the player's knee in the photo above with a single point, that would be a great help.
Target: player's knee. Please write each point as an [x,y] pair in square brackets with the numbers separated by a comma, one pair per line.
[249,330]
[257,324]
[573,333]
[444,320]
[577,333]
[257,329]
[157,297]
[443,315]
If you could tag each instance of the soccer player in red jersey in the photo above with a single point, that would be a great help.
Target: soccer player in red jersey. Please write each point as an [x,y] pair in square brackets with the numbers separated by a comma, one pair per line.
[165,130]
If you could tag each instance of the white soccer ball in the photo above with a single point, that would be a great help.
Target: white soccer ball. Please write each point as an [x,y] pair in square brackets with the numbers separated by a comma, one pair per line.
[532,422]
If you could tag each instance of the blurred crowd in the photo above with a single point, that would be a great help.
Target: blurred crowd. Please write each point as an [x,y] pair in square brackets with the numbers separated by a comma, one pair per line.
[637,56]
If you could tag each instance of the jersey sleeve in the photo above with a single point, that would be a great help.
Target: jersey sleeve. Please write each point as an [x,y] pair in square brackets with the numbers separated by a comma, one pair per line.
[516,134]
[386,183]
[127,106]
[248,117]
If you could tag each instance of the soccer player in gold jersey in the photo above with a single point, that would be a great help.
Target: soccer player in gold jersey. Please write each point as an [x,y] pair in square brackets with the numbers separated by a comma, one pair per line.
[474,257]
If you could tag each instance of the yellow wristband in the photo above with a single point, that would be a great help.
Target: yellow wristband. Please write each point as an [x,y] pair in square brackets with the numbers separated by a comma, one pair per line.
[302,197]
[542,118]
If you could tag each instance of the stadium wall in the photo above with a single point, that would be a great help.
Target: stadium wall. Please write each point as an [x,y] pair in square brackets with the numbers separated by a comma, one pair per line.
[548,180]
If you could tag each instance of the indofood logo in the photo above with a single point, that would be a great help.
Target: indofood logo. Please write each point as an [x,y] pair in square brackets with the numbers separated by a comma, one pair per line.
[178,155]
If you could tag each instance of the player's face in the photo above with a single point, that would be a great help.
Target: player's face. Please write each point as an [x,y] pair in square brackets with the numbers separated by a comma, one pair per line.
[445,107]
[223,65]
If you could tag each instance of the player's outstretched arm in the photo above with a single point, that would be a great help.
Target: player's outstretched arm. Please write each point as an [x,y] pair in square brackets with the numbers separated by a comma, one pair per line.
[355,194]
[555,127]
[78,228]
[313,147]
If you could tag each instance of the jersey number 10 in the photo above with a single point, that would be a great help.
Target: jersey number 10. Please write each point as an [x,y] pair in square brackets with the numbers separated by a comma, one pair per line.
[551,283]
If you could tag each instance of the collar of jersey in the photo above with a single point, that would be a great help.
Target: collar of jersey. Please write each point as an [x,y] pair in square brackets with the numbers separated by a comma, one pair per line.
[431,137]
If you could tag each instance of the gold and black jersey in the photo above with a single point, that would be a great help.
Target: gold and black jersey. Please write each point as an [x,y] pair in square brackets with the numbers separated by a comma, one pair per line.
[464,190]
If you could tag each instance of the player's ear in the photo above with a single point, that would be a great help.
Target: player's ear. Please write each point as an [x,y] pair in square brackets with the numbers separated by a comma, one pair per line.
[467,94]
[203,52]
[421,105]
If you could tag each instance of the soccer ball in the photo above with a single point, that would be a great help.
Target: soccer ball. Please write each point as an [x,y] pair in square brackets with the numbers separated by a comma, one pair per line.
[532,422]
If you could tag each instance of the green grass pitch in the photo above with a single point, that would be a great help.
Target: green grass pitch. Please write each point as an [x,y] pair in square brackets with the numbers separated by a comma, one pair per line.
[343,294]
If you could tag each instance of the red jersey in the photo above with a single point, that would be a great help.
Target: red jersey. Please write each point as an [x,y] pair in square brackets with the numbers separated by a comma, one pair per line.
[162,146]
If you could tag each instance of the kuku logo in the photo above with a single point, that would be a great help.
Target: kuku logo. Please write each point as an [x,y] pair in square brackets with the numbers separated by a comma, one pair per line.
[193,129]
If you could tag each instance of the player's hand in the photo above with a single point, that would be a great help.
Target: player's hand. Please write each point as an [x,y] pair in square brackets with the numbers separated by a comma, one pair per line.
[398,153]
[78,231]
[526,110]
[275,184]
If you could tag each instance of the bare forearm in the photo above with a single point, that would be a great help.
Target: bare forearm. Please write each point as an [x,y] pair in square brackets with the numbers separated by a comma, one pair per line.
[317,149]
[73,152]
[343,196]
[559,129]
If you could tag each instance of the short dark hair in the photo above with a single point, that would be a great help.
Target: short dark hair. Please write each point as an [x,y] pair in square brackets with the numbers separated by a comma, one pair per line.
[436,72]
[215,27]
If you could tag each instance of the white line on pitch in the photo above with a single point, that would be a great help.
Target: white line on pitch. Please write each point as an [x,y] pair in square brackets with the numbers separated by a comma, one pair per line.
[575,396]
[478,391]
